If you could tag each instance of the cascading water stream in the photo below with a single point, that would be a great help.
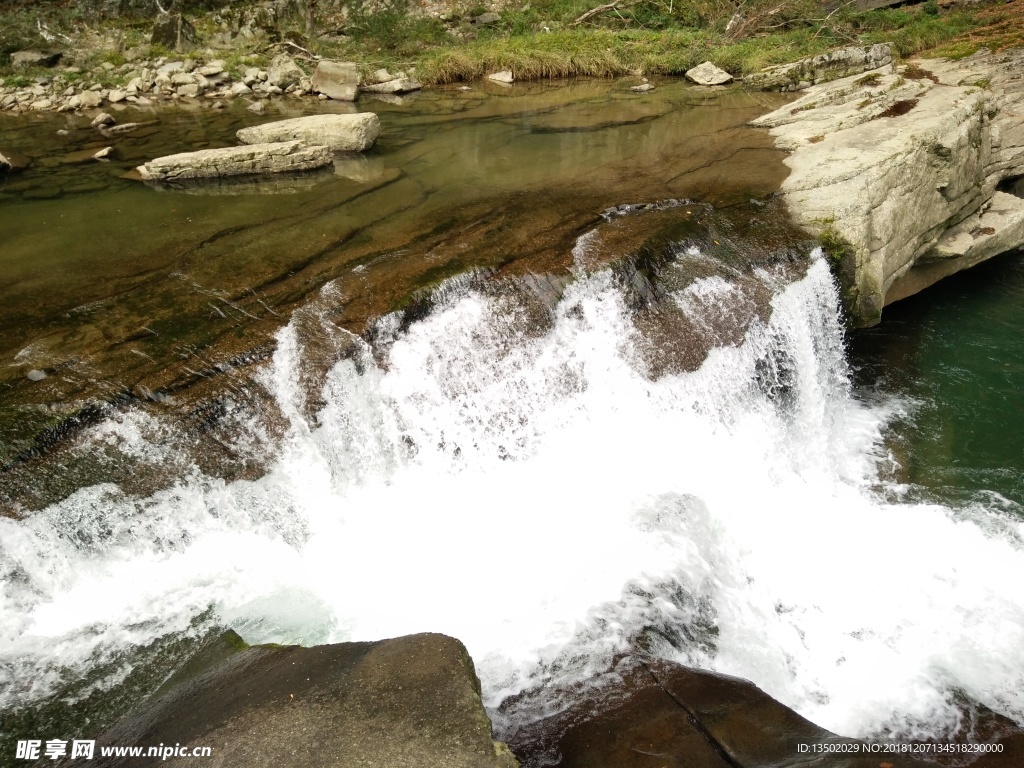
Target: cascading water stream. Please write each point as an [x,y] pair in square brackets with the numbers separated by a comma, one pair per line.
[540,495]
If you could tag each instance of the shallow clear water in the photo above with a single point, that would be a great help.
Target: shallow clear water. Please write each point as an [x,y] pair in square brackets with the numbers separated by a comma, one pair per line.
[110,287]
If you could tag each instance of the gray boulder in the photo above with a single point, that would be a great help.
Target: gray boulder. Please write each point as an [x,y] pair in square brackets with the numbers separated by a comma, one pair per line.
[708,74]
[336,79]
[34,58]
[283,71]
[173,31]
[237,161]
[89,99]
[833,65]
[410,702]
[399,85]
[340,133]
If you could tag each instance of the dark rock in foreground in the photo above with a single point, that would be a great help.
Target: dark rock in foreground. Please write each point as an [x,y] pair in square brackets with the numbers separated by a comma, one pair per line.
[663,714]
[411,702]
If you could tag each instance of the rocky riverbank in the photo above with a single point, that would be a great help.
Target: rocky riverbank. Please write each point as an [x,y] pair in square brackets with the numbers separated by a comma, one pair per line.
[207,80]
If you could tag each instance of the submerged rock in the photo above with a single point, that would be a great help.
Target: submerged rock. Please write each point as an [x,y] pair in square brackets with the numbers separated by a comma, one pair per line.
[341,133]
[283,71]
[410,702]
[708,74]
[236,161]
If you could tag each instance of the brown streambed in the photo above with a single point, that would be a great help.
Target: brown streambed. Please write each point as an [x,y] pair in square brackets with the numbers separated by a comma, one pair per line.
[118,291]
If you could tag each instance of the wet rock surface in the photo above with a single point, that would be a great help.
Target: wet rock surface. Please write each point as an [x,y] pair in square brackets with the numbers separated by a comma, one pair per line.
[409,702]
[652,713]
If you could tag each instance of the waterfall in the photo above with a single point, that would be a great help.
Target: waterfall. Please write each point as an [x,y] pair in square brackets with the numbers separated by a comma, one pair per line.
[535,488]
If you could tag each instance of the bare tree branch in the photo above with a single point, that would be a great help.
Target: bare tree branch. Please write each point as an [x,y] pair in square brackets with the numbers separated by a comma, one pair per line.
[594,11]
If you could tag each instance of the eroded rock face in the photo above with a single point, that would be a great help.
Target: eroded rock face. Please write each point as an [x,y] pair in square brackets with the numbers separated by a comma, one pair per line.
[904,165]
[823,68]
[237,161]
[404,703]
[340,133]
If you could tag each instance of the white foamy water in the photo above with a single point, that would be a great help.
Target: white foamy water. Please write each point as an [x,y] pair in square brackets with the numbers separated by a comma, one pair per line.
[544,500]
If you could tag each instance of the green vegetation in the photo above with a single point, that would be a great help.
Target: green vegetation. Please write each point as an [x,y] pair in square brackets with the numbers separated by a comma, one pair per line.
[562,38]
[541,38]
[837,249]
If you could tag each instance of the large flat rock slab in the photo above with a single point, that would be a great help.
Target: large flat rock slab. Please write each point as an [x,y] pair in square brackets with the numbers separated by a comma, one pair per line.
[894,160]
[237,161]
[340,133]
[410,702]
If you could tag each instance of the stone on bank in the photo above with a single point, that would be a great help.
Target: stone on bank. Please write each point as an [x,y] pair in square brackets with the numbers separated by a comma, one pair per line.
[708,74]
[236,161]
[340,133]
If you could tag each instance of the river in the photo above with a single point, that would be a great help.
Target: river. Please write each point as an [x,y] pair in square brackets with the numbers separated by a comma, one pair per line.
[484,408]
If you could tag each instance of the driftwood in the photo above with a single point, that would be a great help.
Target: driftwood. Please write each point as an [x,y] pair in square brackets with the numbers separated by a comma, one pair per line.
[595,11]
